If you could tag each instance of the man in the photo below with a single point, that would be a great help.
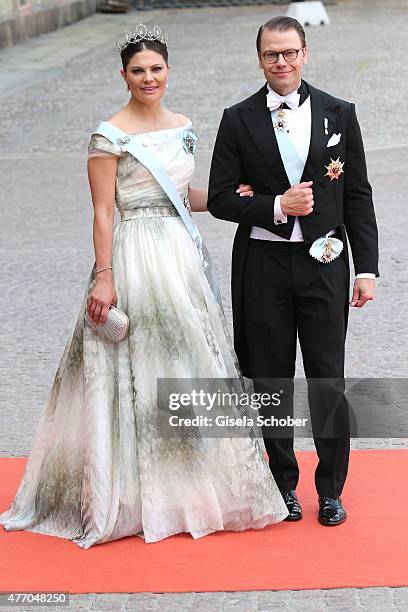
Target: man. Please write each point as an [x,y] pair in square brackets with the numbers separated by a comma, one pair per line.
[301,150]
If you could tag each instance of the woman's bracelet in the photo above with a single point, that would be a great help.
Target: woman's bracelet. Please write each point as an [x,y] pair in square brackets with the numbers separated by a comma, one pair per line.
[102,269]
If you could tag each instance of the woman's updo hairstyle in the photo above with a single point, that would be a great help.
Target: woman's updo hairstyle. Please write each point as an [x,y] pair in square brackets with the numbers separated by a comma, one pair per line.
[141,45]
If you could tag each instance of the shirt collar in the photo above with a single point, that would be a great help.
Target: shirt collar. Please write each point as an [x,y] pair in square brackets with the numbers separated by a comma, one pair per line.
[303,90]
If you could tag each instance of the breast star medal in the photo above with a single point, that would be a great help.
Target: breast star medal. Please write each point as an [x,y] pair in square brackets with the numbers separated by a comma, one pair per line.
[334,169]
[281,122]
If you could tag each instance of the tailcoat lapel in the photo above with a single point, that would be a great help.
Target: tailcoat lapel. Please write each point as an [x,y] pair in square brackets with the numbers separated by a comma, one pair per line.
[257,119]
[321,108]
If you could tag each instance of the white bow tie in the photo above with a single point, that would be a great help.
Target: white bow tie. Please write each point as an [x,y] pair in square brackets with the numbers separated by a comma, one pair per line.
[274,100]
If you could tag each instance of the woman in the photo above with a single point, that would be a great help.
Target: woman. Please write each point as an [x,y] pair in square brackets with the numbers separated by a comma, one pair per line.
[100,467]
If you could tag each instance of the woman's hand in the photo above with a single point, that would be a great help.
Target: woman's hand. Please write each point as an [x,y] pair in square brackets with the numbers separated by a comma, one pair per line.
[198,197]
[245,190]
[100,298]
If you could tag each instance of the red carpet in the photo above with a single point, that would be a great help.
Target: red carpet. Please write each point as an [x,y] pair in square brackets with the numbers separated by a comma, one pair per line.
[370,549]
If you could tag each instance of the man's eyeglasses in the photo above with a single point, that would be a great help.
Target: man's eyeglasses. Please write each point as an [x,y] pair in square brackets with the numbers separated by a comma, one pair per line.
[271,57]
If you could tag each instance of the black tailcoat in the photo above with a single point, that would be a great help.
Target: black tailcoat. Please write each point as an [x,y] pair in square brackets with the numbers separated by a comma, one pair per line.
[246,151]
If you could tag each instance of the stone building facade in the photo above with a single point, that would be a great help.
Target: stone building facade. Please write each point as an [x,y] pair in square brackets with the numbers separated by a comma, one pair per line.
[21,19]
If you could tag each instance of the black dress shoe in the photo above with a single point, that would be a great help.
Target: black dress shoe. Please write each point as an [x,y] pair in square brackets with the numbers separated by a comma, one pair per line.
[331,511]
[293,506]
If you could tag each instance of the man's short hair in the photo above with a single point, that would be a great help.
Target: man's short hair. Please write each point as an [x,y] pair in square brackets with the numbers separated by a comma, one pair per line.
[281,24]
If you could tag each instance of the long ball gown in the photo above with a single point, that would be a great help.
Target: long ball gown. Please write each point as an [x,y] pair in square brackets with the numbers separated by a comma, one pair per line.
[98,470]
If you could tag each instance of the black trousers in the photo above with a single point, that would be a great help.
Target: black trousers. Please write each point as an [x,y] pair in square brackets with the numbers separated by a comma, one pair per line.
[287,294]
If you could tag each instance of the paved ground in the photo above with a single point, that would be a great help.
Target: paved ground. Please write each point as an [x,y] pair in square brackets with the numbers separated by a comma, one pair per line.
[54,90]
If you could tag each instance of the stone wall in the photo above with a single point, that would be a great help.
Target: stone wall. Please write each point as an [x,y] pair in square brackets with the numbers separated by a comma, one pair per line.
[164,4]
[21,19]
[159,4]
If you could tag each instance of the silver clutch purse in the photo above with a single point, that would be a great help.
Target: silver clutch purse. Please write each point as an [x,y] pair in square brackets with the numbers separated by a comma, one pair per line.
[115,327]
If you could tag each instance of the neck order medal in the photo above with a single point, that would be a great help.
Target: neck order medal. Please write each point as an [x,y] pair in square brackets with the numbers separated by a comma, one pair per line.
[281,123]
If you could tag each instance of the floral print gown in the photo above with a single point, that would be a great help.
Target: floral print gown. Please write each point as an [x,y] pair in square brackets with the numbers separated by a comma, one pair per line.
[98,470]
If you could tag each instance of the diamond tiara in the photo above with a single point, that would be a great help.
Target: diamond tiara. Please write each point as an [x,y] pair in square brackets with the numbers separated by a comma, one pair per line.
[142,32]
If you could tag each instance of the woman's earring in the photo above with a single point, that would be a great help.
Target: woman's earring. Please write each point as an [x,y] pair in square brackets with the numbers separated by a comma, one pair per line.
[127,87]
[167,84]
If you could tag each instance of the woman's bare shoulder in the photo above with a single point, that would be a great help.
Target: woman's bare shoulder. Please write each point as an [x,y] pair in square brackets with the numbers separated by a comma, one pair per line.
[119,119]
[179,120]
[184,119]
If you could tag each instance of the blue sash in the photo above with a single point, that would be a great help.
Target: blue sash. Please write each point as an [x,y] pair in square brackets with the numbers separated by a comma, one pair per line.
[294,165]
[153,165]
